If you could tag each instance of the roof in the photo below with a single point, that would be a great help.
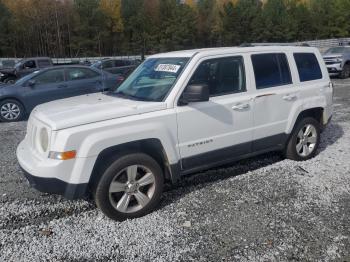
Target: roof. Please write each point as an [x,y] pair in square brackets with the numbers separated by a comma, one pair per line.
[36,58]
[227,50]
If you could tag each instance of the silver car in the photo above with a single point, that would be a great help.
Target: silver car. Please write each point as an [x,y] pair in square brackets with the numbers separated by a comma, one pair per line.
[337,60]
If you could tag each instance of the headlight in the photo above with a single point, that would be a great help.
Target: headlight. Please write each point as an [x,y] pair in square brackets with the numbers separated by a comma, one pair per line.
[339,60]
[1,74]
[44,139]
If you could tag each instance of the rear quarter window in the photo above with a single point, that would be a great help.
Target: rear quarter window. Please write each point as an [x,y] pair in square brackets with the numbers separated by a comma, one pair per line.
[308,66]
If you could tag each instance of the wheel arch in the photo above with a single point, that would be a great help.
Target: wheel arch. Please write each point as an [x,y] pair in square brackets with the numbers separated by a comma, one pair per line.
[315,112]
[152,147]
[15,99]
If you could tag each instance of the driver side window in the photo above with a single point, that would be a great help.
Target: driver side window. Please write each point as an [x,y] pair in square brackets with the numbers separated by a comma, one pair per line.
[222,75]
[50,76]
[29,64]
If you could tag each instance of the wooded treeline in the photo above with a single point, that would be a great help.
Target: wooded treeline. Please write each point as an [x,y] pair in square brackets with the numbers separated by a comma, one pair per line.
[78,28]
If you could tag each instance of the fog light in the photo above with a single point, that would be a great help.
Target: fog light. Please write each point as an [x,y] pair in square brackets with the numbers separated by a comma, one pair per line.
[63,155]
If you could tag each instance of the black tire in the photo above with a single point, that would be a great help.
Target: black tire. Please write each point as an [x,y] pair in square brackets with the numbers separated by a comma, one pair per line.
[101,189]
[18,107]
[345,73]
[291,148]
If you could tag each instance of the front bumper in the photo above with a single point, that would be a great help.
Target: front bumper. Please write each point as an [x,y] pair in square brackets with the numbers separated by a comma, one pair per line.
[49,176]
[56,186]
[334,69]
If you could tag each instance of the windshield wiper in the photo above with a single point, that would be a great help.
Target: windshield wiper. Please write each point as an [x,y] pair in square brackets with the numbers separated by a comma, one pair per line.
[132,97]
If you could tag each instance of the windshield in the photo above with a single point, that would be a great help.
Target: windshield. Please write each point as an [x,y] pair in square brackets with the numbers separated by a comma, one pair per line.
[153,79]
[338,50]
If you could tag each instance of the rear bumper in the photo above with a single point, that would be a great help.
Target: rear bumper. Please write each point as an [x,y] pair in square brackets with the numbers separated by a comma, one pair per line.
[56,186]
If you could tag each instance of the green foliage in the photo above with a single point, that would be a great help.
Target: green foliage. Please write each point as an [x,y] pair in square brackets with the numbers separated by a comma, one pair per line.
[71,28]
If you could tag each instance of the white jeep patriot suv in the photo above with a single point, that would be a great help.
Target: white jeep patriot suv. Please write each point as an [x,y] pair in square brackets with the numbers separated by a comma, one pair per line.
[176,114]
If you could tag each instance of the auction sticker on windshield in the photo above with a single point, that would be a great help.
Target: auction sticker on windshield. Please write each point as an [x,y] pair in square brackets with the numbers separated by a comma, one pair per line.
[167,68]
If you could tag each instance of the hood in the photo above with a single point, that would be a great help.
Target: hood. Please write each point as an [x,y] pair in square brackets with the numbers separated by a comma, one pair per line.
[2,85]
[80,110]
[9,70]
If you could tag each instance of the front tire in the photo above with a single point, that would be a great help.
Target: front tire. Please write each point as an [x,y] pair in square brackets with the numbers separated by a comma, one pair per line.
[130,187]
[345,73]
[304,140]
[11,111]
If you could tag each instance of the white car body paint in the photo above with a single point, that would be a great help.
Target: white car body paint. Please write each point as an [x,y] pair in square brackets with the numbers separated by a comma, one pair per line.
[91,123]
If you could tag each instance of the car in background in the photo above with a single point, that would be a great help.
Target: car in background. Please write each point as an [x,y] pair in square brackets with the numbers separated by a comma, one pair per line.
[7,63]
[18,100]
[117,66]
[24,67]
[337,60]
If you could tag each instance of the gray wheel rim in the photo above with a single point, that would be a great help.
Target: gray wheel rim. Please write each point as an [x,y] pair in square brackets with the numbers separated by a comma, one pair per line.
[10,111]
[306,140]
[132,189]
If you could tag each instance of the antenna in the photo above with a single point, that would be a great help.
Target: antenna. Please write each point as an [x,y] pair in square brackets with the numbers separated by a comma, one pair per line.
[102,76]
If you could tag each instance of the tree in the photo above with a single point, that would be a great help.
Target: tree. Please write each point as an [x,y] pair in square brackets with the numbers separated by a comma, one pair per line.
[5,17]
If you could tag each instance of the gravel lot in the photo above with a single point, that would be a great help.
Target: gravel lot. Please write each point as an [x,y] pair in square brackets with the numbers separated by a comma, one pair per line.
[260,209]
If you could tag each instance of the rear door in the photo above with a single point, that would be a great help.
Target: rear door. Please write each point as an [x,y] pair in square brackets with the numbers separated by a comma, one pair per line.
[82,81]
[275,96]
[220,129]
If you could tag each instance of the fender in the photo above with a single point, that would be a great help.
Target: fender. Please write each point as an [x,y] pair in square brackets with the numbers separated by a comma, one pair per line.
[317,103]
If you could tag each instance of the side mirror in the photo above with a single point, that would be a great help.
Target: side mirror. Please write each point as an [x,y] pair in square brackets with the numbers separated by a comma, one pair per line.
[195,93]
[31,83]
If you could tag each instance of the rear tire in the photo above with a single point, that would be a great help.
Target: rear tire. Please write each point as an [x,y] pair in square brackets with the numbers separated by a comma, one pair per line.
[304,140]
[11,111]
[346,72]
[130,187]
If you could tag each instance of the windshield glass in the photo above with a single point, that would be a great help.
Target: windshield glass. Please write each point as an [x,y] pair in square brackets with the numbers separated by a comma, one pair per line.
[153,79]
[338,50]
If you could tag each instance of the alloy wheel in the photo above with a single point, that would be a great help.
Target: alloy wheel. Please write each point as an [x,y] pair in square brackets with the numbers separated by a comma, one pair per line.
[10,111]
[306,140]
[132,189]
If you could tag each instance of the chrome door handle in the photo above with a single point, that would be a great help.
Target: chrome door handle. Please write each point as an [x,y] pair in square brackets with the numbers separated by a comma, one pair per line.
[239,107]
[289,97]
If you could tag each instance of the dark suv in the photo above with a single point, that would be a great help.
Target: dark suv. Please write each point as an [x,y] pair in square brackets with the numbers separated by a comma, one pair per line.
[24,67]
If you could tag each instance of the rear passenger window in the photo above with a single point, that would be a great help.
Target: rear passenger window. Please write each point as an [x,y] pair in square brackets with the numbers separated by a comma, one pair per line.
[271,70]
[80,73]
[222,75]
[308,66]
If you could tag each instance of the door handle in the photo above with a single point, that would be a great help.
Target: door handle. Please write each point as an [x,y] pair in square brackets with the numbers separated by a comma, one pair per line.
[62,86]
[289,97]
[240,107]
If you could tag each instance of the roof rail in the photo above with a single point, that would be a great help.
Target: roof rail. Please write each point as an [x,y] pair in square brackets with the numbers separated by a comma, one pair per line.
[273,44]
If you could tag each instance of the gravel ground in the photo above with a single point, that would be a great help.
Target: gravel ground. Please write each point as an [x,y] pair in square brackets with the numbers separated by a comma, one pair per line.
[260,209]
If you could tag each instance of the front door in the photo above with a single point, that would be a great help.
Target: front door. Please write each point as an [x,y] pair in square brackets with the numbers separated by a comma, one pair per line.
[47,87]
[220,129]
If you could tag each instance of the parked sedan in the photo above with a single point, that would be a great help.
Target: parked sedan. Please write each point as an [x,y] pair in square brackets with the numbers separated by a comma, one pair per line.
[19,99]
